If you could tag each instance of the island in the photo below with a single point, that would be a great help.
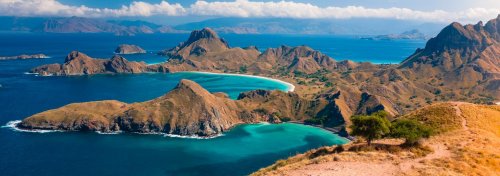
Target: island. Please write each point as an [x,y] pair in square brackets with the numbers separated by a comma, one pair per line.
[187,110]
[407,35]
[129,49]
[24,56]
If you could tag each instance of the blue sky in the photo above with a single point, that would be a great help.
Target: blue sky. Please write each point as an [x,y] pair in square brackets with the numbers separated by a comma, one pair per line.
[467,11]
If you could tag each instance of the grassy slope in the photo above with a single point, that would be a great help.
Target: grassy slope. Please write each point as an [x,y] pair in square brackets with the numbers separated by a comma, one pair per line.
[467,144]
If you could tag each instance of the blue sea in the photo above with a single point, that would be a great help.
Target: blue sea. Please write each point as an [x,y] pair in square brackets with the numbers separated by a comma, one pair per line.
[244,149]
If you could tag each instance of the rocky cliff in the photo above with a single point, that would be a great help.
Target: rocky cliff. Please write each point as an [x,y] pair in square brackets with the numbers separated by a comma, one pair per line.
[129,49]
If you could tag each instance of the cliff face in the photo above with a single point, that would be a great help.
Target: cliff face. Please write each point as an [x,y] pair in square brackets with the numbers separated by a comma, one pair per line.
[129,49]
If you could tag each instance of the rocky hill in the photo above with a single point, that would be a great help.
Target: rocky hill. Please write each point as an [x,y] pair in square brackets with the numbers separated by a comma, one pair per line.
[187,110]
[466,57]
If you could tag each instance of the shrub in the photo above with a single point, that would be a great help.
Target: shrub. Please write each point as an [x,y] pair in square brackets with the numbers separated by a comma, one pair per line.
[374,126]
[285,119]
[411,130]
[243,69]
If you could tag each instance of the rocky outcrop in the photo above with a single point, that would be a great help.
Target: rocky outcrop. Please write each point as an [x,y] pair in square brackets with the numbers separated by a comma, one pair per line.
[77,63]
[24,56]
[129,49]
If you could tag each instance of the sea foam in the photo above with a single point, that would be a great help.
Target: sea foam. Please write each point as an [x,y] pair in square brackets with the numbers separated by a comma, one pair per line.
[13,125]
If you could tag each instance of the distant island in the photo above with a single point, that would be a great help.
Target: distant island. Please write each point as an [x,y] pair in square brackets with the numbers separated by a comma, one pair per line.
[408,35]
[220,25]
[82,25]
[129,49]
[24,56]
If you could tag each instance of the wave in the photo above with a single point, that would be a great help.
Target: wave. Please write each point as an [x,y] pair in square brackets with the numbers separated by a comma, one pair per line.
[13,125]
[117,132]
[28,73]
[192,136]
[180,136]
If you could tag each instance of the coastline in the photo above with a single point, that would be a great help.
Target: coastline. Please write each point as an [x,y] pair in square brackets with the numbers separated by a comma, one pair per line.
[290,86]
[13,126]
[333,130]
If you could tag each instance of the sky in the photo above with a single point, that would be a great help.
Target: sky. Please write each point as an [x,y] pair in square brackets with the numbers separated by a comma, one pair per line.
[466,11]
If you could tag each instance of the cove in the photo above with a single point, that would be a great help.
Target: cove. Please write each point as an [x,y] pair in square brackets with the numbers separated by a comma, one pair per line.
[242,150]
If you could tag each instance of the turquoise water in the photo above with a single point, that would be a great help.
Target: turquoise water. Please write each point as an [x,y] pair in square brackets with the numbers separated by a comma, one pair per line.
[242,150]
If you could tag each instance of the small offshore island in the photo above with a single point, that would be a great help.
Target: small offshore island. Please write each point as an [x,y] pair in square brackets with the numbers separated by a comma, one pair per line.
[129,49]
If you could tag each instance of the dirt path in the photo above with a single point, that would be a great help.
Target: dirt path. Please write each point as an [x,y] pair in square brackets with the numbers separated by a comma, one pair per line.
[440,150]
[459,113]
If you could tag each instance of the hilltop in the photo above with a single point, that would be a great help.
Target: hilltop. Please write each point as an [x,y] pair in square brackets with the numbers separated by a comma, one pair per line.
[466,144]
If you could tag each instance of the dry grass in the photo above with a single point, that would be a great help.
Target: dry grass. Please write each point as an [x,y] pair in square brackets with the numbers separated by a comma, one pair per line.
[440,117]
[456,150]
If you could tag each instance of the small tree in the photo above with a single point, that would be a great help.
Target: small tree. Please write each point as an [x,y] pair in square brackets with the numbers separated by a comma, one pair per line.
[243,69]
[411,130]
[371,127]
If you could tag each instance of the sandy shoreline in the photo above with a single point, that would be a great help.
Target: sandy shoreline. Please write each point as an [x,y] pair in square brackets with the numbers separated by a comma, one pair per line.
[290,86]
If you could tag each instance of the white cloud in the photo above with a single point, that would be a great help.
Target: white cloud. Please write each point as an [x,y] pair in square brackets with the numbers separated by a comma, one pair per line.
[55,8]
[239,8]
